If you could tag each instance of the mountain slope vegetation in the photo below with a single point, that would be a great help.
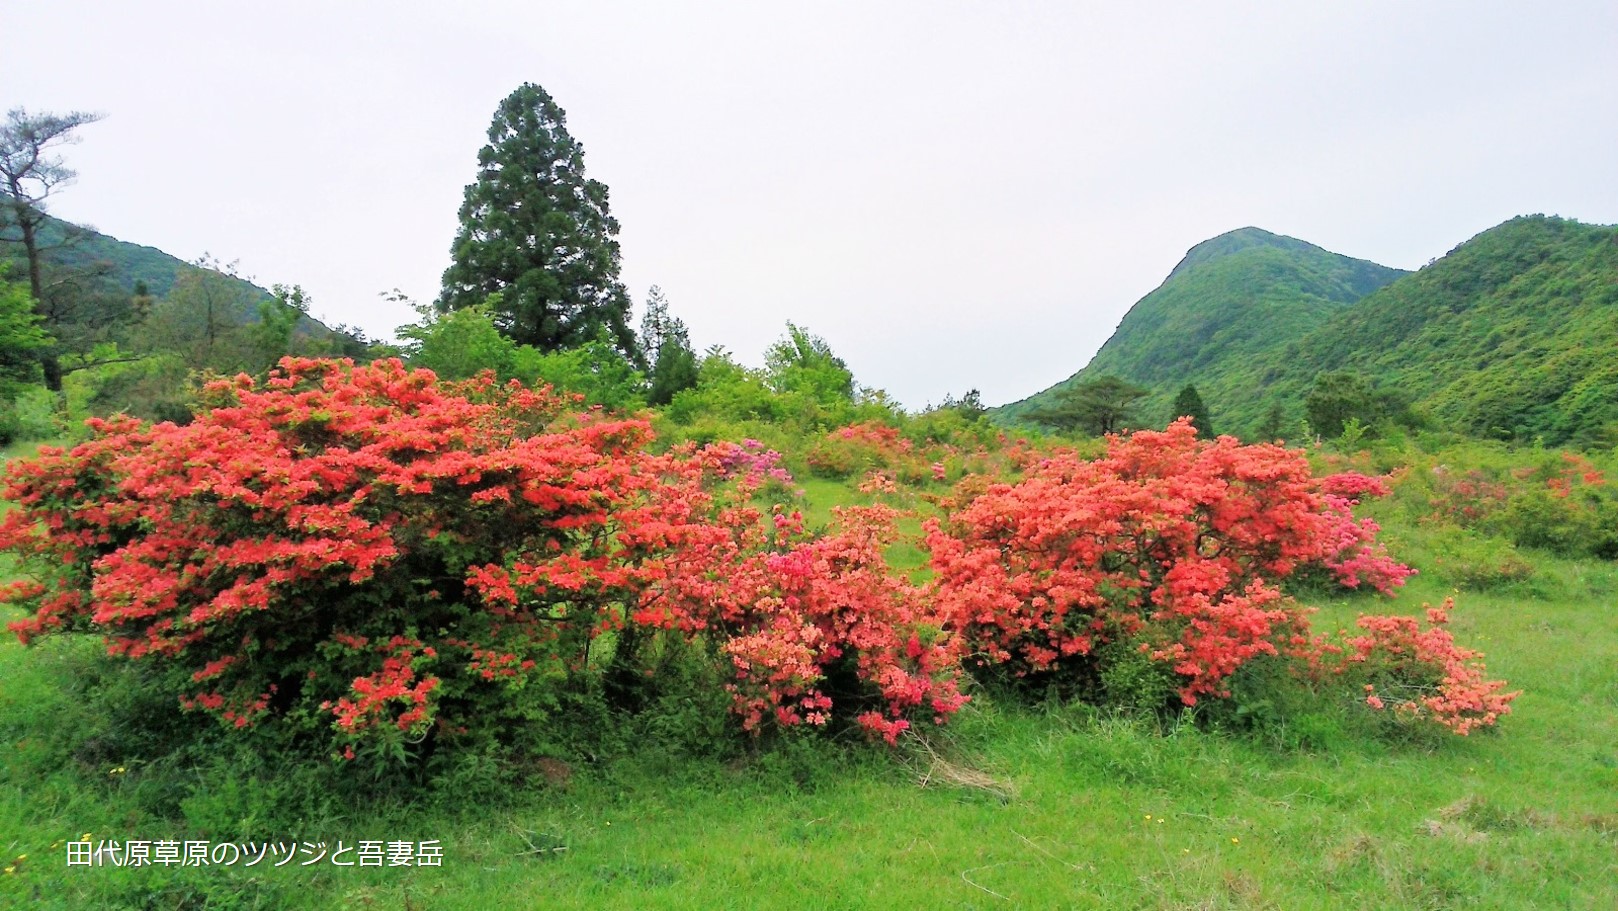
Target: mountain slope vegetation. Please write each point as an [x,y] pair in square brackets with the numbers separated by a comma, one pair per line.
[99,264]
[1232,301]
[1511,335]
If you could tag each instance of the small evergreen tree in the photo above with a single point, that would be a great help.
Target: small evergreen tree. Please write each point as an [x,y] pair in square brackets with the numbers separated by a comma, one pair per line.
[671,363]
[1188,404]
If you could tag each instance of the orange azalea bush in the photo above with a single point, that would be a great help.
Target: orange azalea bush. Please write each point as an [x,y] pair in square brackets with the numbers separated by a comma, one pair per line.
[1166,540]
[370,556]
[813,618]
[1174,547]
[347,541]
[369,546]
[1418,672]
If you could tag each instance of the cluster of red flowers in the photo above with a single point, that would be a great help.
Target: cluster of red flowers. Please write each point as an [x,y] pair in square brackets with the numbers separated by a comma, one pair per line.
[1424,673]
[1167,541]
[1355,556]
[358,541]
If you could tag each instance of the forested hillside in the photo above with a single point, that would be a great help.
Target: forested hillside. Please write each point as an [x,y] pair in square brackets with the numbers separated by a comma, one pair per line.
[1229,305]
[1512,335]
[124,265]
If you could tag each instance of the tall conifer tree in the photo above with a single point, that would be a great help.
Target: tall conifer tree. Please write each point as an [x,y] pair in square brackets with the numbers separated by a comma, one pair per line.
[539,234]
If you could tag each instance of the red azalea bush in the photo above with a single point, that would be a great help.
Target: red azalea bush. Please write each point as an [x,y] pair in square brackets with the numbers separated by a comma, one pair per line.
[1354,556]
[1562,503]
[348,542]
[366,551]
[1171,547]
[860,448]
[370,547]
[1167,541]
[814,625]
[1418,672]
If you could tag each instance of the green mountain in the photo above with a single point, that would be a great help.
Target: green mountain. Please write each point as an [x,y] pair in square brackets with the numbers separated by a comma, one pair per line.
[72,247]
[1513,334]
[100,264]
[1217,321]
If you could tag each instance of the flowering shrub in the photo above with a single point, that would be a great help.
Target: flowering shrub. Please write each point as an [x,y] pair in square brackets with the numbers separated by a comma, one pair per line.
[360,544]
[390,557]
[1421,674]
[1465,499]
[751,461]
[859,448]
[816,625]
[1166,540]
[1353,554]
[1562,504]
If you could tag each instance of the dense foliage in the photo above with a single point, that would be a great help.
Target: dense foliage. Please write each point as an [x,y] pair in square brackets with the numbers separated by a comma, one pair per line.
[1508,336]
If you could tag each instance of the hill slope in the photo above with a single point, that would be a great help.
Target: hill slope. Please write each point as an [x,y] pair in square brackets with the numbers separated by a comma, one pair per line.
[1513,334]
[119,266]
[1224,309]
[69,246]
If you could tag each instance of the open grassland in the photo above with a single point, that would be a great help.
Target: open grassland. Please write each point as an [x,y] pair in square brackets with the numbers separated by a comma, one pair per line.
[1012,806]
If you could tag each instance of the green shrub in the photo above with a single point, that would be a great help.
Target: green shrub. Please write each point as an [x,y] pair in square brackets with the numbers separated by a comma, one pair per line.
[1471,561]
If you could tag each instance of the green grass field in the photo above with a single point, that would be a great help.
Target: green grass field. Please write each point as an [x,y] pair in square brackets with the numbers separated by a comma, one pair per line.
[1012,806]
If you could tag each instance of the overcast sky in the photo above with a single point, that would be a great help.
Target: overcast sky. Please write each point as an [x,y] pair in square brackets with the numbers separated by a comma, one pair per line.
[954,195]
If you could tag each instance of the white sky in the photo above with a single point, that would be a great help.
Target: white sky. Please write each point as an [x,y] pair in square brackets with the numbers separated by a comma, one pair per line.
[954,195]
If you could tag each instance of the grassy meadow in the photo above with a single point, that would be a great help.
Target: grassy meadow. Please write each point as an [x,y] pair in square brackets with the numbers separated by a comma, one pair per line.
[1012,805]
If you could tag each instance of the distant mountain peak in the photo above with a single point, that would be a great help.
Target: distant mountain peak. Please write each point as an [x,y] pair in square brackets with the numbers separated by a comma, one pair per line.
[1235,242]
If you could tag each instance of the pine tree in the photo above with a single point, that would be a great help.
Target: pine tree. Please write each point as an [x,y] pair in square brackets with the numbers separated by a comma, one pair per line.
[1189,404]
[29,174]
[1100,406]
[538,233]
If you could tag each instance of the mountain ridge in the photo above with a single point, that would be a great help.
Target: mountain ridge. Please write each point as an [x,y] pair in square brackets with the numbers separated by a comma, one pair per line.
[1232,296]
[1513,334]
